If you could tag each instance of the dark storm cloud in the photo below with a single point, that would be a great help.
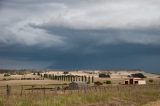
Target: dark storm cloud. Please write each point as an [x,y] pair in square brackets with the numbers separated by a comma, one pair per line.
[100,37]
[86,34]
[106,57]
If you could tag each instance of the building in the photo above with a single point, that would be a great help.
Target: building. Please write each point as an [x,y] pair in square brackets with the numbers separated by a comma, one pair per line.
[135,81]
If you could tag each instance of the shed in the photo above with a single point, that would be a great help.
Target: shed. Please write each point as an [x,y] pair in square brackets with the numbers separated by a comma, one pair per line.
[77,85]
[138,81]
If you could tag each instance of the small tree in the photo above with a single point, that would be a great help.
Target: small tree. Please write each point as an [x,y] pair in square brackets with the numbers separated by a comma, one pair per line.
[65,72]
[82,78]
[55,77]
[85,78]
[108,82]
[49,76]
[38,73]
[139,75]
[71,78]
[63,78]
[76,78]
[98,83]
[45,75]
[104,75]
[6,75]
[92,79]
[52,77]
[41,75]
[151,81]
[88,82]
[89,79]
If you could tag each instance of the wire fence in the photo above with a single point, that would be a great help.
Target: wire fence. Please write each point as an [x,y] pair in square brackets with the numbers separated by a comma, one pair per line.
[22,90]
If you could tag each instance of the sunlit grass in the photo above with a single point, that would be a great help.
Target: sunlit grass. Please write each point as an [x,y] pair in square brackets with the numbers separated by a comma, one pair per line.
[123,95]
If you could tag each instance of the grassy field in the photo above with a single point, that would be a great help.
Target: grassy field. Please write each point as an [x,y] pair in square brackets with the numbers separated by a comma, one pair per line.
[118,95]
[45,93]
[29,82]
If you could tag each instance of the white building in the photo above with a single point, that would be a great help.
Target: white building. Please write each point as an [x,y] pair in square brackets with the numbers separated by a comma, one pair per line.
[133,81]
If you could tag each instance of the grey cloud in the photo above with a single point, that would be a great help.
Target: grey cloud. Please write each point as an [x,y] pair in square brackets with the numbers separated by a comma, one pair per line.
[20,64]
[102,15]
[101,37]
[108,14]
[107,56]
[72,34]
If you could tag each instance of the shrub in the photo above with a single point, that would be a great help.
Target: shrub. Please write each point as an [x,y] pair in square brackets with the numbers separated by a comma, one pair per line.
[88,82]
[6,75]
[66,88]
[108,82]
[4,79]
[104,75]
[139,75]
[151,81]
[58,88]
[65,84]
[45,75]
[65,72]
[38,73]
[20,73]
[98,83]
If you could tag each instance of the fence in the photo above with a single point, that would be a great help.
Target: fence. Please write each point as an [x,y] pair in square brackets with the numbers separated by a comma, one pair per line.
[61,89]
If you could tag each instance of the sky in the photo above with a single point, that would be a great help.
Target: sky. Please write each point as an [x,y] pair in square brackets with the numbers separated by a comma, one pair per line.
[80,34]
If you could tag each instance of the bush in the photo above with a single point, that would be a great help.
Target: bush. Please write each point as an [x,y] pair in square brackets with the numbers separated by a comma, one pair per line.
[151,81]
[108,82]
[139,75]
[65,84]
[104,76]
[38,73]
[88,82]
[4,79]
[65,72]
[6,75]
[66,88]
[58,88]
[98,83]
[45,75]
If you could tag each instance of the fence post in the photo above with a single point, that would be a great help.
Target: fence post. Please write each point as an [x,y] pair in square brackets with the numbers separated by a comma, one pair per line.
[44,90]
[21,90]
[41,90]
[32,89]
[8,90]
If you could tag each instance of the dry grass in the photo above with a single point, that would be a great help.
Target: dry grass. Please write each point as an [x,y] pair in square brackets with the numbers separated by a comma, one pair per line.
[29,82]
[115,95]
[109,96]
[155,103]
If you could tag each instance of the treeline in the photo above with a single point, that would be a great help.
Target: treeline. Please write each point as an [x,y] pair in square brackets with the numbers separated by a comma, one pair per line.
[70,78]
[6,71]
[18,71]
[138,75]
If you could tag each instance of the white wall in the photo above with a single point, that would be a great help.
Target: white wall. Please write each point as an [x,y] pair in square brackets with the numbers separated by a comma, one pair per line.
[141,82]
